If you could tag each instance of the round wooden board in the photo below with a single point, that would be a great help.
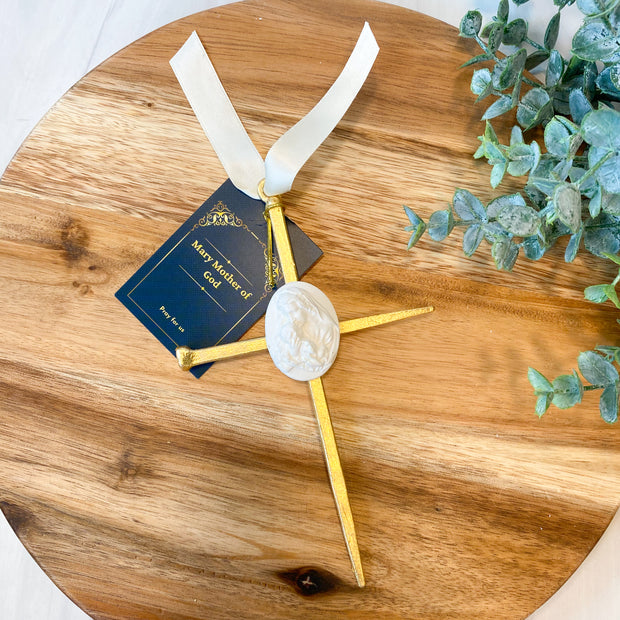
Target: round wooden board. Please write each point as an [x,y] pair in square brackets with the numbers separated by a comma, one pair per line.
[146,493]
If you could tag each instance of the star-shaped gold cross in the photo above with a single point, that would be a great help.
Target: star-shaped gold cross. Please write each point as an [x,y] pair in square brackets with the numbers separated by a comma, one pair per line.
[189,358]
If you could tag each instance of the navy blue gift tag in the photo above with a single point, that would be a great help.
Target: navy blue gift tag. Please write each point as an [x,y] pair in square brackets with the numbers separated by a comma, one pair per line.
[207,284]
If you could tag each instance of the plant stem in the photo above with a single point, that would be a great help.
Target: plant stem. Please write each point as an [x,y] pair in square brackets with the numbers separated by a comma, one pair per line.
[606,12]
[594,168]
[482,44]
[535,44]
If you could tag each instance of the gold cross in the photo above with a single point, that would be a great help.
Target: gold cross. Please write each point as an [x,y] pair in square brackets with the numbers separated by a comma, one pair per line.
[188,358]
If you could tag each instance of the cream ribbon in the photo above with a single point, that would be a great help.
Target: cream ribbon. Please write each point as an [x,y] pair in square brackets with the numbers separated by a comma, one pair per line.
[229,139]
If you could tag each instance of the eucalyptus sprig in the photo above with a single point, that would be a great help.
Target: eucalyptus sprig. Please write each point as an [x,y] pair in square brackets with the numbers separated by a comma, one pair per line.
[565,391]
[600,293]
[572,185]
[597,367]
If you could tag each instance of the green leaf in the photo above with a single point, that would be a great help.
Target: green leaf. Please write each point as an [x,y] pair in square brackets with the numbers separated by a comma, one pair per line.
[608,175]
[535,59]
[611,353]
[574,142]
[516,135]
[519,220]
[590,71]
[440,225]
[596,293]
[481,83]
[495,37]
[542,177]
[595,204]
[519,2]
[504,202]
[493,154]
[472,238]
[602,235]
[579,105]
[539,382]
[573,246]
[593,7]
[573,128]
[606,81]
[417,227]
[555,68]
[587,185]
[542,404]
[574,71]
[468,207]
[476,59]
[610,203]
[567,204]
[504,253]
[489,133]
[613,295]
[600,293]
[608,404]
[567,391]
[515,32]
[493,231]
[560,95]
[614,259]
[562,169]
[533,249]
[470,24]
[512,70]
[579,177]
[557,138]
[497,174]
[499,107]
[536,151]
[523,158]
[534,108]
[596,369]
[487,29]
[542,388]
[537,198]
[503,10]
[595,154]
[594,41]
[551,34]
[614,75]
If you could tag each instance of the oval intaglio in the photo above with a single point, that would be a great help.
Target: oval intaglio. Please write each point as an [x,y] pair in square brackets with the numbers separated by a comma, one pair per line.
[301,330]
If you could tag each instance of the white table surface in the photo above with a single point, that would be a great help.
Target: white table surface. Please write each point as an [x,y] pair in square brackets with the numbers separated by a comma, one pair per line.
[45,47]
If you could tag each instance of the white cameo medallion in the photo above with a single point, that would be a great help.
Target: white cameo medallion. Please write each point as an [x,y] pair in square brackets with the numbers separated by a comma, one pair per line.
[301,330]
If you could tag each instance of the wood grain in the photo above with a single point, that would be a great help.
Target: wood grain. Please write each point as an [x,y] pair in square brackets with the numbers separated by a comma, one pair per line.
[145,493]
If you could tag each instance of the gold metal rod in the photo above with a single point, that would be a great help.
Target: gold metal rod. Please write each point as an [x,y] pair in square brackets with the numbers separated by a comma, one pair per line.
[365,322]
[336,477]
[283,243]
[275,210]
[188,358]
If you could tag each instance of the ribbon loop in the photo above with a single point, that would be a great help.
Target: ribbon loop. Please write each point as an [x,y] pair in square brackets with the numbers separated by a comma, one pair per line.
[291,151]
[229,139]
